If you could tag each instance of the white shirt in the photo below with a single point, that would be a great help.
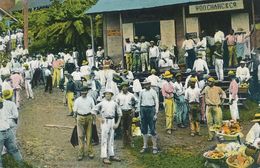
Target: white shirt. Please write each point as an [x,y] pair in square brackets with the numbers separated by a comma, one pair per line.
[12,111]
[253,135]
[149,98]
[50,58]
[6,86]
[13,36]
[242,73]
[85,70]
[28,74]
[219,36]
[187,82]
[154,52]
[5,71]
[47,72]
[178,88]
[4,124]
[19,35]
[76,75]
[144,46]
[67,57]
[84,105]
[155,80]
[200,65]
[192,95]
[7,38]
[89,53]
[202,45]
[108,109]
[168,63]
[188,44]
[126,101]
[44,64]
[128,47]
[100,53]
[34,64]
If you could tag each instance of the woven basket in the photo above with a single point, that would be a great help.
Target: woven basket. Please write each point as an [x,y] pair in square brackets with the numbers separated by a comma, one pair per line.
[227,137]
[242,90]
[230,165]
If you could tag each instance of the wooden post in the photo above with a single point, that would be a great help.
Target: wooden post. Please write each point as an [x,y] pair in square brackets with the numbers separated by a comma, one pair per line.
[92,38]
[25,26]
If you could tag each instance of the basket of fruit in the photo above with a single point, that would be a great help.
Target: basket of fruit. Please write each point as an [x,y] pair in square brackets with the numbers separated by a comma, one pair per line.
[214,156]
[230,131]
[239,161]
[243,88]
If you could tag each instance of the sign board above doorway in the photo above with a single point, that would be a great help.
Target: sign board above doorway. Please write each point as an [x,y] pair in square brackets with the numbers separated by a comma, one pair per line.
[216,7]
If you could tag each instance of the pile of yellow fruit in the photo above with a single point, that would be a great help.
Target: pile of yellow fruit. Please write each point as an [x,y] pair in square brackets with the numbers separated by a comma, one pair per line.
[244,85]
[239,161]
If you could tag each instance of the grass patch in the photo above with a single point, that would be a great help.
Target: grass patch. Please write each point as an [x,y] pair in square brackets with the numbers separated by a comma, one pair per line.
[176,157]
[246,114]
[9,162]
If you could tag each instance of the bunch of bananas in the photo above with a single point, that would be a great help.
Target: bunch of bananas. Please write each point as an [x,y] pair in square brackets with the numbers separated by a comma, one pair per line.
[244,85]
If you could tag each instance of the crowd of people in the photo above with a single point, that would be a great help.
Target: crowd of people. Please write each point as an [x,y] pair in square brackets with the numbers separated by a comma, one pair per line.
[96,90]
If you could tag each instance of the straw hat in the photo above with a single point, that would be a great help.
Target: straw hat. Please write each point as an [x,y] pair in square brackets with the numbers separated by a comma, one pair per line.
[124,84]
[231,73]
[211,79]
[167,74]
[146,82]
[7,94]
[85,89]
[193,80]
[135,38]
[153,71]
[242,62]
[199,54]
[109,91]
[85,62]
[257,118]
[178,74]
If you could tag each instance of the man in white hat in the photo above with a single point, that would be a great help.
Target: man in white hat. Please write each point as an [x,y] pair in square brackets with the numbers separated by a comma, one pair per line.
[108,109]
[90,55]
[200,65]
[149,108]
[242,72]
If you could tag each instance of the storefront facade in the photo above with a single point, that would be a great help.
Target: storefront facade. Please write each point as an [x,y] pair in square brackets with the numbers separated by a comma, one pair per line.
[171,22]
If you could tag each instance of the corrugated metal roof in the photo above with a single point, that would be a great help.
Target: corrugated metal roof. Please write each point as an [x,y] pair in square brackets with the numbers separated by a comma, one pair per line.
[32,4]
[103,6]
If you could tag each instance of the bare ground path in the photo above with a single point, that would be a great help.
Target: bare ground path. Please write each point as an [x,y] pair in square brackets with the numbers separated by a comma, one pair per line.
[47,147]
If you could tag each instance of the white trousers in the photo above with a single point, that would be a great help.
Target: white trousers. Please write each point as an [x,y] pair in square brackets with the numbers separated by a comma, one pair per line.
[28,88]
[107,138]
[219,69]
[234,109]
[91,61]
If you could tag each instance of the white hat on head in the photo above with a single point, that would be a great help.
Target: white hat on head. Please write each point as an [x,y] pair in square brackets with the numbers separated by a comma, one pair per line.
[109,91]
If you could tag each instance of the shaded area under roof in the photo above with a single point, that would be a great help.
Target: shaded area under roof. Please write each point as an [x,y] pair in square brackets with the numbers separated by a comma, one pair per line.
[32,4]
[103,6]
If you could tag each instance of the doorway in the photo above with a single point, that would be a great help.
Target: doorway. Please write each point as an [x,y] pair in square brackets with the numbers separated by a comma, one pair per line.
[209,22]
[147,29]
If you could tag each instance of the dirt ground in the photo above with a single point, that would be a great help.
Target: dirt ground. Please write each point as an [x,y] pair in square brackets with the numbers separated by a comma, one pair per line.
[47,147]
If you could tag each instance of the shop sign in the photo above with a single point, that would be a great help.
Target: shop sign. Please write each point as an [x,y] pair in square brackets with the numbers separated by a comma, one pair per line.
[113,32]
[193,35]
[216,7]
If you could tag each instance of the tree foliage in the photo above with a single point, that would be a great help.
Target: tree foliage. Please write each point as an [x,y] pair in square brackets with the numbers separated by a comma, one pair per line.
[62,25]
